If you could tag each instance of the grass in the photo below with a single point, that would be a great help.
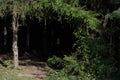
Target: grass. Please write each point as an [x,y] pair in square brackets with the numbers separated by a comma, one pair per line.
[11,74]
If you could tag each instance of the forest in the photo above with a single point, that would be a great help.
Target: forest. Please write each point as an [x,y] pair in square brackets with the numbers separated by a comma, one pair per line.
[77,39]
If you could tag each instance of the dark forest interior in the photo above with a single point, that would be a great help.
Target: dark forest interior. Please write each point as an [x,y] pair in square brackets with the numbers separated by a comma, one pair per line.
[39,41]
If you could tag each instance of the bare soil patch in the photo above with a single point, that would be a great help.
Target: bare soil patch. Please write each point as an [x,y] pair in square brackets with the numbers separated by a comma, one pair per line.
[34,69]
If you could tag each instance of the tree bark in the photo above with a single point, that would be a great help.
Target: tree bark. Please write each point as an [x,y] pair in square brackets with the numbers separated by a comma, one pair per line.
[105,21]
[15,38]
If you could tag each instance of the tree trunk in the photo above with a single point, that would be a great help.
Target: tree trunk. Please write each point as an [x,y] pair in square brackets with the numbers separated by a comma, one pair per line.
[15,38]
[28,39]
[45,38]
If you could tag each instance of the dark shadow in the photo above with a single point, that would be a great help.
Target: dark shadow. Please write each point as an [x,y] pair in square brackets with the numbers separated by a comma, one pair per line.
[41,42]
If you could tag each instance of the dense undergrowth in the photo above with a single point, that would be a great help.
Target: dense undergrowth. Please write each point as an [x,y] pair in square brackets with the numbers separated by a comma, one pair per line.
[90,65]
[95,57]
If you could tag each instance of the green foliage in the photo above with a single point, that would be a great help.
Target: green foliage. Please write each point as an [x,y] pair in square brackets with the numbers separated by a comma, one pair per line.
[91,60]
[76,12]
[102,65]
[6,62]
[72,2]
[21,8]
[115,14]
[78,63]
[88,63]
[58,76]
[3,6]
[55,61]
[62,75]
[41,10]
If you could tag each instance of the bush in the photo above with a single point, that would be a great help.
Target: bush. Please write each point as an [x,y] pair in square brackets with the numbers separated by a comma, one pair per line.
[91,61]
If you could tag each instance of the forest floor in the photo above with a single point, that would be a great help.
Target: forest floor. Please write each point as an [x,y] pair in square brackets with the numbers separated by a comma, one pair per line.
[28,70]
[34,69]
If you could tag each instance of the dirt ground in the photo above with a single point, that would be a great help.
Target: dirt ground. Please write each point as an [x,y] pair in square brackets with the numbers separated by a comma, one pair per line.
[31,68]
[34,69]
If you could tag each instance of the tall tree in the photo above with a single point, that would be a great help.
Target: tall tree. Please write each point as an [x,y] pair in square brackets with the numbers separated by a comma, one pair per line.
[18,10]
[15,26]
